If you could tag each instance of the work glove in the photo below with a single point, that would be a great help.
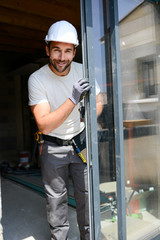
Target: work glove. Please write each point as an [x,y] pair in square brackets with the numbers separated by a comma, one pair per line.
[80,88]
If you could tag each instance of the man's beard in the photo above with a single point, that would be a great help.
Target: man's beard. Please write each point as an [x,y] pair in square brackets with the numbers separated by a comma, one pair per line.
[59,69]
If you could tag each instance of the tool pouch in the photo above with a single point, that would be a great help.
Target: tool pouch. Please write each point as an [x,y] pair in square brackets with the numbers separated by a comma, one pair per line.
[80,140]
[39,137]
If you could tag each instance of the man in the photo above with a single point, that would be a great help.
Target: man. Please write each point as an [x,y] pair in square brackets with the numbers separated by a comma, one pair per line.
[55,91]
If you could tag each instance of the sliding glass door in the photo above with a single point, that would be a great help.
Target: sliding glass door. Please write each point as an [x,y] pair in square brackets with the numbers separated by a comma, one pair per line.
[121,56]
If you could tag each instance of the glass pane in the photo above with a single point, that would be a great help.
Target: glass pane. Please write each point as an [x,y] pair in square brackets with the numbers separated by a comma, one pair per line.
[105,120]
[140,58]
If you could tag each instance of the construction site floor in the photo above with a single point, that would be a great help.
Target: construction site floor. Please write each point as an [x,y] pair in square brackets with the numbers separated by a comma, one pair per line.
[23,214]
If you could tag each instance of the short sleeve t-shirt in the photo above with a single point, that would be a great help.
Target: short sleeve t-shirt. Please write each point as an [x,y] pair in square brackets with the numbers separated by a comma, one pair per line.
[45,86]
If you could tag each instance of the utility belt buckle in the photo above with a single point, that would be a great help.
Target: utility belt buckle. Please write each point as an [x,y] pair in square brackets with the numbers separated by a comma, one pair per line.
[39,137]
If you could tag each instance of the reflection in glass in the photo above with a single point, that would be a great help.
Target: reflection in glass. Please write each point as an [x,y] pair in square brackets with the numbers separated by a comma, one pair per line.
[140,73]
[139,31]
[140,54]
[105,120]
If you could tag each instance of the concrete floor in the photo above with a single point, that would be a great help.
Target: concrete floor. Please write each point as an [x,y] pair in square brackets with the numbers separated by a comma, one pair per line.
[24,214]
[23,217]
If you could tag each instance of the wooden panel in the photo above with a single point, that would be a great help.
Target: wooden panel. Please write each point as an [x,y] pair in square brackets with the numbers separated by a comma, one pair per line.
[9,48]
[21,32]
[23,19]
[69,10]
[137,122]
[21,42]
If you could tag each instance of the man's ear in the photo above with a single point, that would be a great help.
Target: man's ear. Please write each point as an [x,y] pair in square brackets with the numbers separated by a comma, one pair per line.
[47,50]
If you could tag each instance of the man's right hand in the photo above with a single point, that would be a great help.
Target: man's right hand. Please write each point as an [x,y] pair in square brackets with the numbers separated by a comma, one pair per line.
[79,89]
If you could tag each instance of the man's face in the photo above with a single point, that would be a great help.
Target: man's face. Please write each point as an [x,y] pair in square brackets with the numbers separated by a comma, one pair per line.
[61,56]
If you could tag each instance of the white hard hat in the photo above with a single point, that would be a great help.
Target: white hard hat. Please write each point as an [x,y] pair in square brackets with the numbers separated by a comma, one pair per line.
[62,31]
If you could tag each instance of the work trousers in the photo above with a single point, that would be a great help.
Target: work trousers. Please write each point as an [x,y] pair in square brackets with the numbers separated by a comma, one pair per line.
[57,163]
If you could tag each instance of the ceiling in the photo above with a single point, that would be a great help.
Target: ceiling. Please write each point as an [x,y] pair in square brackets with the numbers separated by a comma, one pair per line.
[24,23]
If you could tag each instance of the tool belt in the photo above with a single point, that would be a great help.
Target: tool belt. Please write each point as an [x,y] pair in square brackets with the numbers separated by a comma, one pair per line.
[80,140]
[59,141]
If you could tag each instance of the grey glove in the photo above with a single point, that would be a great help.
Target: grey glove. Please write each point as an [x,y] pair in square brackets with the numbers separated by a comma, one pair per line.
[79,90]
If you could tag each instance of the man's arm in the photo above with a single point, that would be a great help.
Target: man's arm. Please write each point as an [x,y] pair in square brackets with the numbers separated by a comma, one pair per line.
[99,104]
[46,120]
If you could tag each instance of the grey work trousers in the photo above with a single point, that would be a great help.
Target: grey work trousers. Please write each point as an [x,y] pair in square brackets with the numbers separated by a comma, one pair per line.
[57,163]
